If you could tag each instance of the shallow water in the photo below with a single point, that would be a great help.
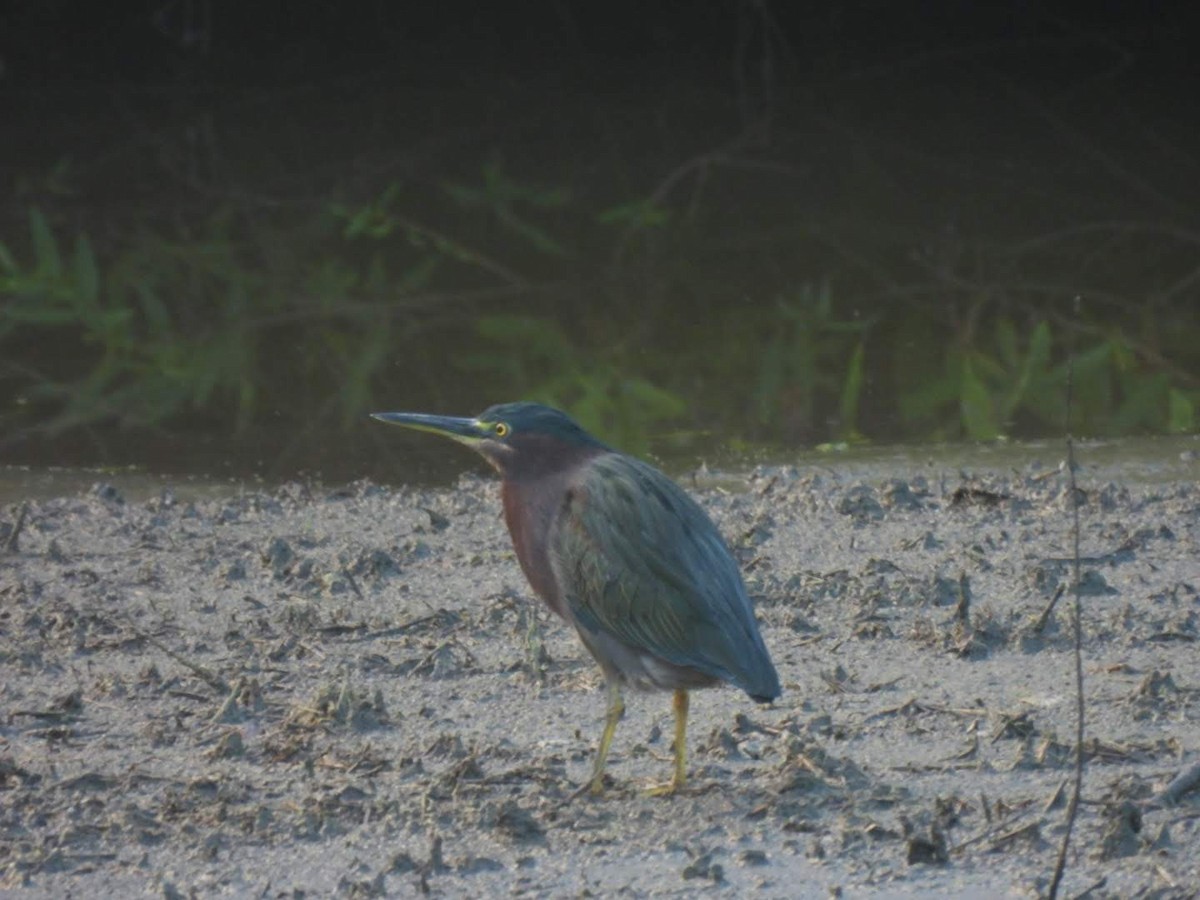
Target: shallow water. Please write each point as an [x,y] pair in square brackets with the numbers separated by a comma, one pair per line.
[1139,460]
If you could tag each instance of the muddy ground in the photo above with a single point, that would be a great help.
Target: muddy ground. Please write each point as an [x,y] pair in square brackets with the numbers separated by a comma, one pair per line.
[350,692]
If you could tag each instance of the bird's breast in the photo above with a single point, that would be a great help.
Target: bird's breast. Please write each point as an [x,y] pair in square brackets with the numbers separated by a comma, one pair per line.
[530,509]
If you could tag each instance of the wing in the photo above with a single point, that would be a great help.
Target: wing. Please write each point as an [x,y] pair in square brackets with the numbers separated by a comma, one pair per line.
[639,560]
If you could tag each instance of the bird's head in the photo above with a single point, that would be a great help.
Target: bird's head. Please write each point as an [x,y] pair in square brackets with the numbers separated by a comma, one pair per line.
[520,440]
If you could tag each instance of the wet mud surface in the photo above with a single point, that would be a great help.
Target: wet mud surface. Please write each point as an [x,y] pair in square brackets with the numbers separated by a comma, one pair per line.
[351,692]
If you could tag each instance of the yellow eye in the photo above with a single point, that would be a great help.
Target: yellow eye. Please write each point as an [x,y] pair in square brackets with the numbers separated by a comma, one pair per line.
[501,429]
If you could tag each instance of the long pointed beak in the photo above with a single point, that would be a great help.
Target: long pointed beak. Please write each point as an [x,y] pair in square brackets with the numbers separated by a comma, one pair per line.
[465,431]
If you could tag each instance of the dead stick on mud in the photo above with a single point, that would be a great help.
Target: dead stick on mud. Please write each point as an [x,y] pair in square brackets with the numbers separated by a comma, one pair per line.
[1040,625]
[10,545]
[206,675]
[353,584]
[998,831]
[1055,798]
[1027,830]
[1166,876]
[397,630]
[1060,864]
[1185,781]
[1091,888]
[914,705]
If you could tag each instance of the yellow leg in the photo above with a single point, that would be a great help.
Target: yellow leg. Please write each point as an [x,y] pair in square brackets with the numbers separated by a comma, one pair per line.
[680,777]
[616,709]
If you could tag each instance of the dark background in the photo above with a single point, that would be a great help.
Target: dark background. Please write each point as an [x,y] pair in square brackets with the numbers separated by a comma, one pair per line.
[49,41]
[949,177]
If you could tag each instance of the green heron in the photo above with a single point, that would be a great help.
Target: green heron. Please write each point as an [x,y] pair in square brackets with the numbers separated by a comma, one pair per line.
[620,552]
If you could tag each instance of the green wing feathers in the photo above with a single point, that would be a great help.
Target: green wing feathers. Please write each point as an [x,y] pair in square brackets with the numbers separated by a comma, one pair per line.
[638,559]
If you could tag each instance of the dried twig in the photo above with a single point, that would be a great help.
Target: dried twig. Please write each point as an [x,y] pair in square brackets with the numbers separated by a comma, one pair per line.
[1187,780]
[1002,830]
[353,584]
[10,545]
[1073,805]
[206,675]
[1040,625]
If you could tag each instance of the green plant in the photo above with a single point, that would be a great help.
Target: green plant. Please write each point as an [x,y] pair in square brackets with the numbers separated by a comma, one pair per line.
[186,322]
[641,214]
[987,388]
[812,361]
[505,200]
[59,296]
[994,386]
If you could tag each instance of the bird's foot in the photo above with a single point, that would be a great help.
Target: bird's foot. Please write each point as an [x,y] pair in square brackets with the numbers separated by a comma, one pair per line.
[594,787]
[674,786]
[580,791]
